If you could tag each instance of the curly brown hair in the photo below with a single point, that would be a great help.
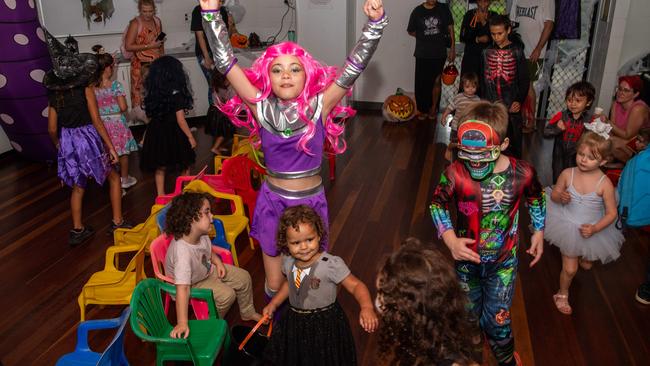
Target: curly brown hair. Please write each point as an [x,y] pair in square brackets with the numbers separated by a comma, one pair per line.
[183,211]
[423,314]
[294,216]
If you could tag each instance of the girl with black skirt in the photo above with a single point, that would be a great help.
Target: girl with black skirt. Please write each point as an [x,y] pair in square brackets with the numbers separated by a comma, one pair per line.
[217,124]
[168,143]
[314,330]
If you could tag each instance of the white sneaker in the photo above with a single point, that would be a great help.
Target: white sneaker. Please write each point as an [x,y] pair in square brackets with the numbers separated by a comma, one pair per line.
[123,192]
[128,182]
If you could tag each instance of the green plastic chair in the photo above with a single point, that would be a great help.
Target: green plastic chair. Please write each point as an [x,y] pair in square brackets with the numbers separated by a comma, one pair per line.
[148,321]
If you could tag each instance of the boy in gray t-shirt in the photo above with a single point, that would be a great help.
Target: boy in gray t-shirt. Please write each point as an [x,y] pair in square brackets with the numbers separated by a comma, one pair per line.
[192,264]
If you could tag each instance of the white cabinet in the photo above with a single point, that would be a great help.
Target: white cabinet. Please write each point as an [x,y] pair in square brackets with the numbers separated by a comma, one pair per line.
[199,86]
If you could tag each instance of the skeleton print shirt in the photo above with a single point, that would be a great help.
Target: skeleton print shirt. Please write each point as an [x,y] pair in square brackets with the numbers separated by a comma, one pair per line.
[504,75]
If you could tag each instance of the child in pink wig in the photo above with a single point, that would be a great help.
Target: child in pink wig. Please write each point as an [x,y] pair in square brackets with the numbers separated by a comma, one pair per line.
[290,100]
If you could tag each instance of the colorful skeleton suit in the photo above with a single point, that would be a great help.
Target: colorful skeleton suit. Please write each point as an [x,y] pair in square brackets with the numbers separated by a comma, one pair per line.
[488,206]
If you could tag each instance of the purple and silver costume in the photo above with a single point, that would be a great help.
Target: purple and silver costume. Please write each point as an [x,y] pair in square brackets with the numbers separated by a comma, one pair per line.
[281,130]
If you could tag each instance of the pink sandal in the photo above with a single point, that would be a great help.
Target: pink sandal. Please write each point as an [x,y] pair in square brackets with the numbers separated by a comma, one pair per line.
[562,304]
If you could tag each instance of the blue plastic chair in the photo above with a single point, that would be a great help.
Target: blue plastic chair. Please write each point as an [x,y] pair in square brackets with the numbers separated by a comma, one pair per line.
[220,235]
[114,353]
[162,216]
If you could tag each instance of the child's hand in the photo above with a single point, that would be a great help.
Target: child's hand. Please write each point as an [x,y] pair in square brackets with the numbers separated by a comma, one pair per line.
[443,119]
[368,320]
[565,197]
[561,125]
[221,269]
[192,141]
[180,331]
[587,230]
[374,9]
[113,156]
[514,107]
[536,247]
[460,251]
[210,4]
[269,310]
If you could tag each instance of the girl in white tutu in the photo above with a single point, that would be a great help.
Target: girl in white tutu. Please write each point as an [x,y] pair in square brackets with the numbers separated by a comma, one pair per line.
[581,213]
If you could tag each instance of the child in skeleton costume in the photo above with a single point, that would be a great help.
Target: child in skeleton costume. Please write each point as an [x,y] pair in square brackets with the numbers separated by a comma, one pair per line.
[504,78]
[488,187]
[290,100]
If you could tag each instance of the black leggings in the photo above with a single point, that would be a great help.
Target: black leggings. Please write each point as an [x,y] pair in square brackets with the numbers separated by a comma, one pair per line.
[426,72]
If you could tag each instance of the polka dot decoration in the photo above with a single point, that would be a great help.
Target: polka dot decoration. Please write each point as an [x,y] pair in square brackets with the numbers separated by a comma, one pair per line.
[45,112]
[23,62]
[17,40]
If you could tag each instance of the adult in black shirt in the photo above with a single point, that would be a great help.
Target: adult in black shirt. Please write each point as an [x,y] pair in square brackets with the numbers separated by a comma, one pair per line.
[475,34]
[432,26]
[201,46]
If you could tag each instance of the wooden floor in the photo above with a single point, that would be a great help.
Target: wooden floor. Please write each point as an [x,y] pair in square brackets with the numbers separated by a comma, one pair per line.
[383,186]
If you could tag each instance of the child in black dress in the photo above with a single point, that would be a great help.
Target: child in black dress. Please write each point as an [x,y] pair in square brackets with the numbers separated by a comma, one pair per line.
[168,144]
[315,330]
[217,124]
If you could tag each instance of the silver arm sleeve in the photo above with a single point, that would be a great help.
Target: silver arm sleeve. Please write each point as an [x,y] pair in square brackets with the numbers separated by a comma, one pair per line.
[362,52]
[216,31]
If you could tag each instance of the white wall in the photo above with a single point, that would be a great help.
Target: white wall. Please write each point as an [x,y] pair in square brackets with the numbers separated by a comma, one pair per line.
[628,40]
[262,17]
[393,65]
[321,30]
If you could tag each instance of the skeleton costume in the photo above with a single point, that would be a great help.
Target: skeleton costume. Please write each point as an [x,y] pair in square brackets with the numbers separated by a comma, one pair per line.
[504,78]
[565,142]
[488,211]
[281,129]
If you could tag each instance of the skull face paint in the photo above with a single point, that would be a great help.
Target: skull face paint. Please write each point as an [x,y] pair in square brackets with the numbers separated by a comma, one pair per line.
[479,148]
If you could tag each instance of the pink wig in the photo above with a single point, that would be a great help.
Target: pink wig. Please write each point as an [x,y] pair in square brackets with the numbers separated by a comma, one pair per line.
[317,78]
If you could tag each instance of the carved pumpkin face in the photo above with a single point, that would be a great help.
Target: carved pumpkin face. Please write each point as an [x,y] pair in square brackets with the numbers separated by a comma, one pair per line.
[399,107]
[239,40]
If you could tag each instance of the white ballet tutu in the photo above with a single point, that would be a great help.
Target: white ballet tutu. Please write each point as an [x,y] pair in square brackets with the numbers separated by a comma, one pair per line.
[563,224]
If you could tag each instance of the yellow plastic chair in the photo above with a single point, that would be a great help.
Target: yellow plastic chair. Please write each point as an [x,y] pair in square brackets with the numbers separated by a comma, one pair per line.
[235,223]
[113,286]
[145,232]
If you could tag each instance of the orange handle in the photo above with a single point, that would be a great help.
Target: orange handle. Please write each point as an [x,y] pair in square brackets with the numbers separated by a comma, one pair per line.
[255,328]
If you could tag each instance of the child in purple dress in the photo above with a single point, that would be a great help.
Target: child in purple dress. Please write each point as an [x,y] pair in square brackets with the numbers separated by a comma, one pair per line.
[290,101]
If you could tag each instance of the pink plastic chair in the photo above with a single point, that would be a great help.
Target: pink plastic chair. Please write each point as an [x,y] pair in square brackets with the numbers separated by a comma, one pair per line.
[158,253]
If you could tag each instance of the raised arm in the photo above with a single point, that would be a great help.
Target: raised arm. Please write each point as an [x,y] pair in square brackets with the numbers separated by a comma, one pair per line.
[216,31]
[359,57]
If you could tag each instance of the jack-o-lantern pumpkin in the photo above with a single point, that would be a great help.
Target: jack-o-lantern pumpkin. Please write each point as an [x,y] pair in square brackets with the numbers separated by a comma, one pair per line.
[398,107]
[239,40]
[449,74]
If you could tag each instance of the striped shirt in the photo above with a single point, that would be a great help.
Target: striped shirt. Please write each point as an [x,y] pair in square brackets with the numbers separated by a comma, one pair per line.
[460,104]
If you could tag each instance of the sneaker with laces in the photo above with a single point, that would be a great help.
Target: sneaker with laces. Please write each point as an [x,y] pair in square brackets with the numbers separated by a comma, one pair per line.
[128,182]
[78,237]
[643,294]
[123,225]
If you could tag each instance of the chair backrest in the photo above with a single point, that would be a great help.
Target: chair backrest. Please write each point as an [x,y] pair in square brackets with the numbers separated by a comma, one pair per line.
[158,251]
[243,173]
[220,235]
[114,353]
[148,319]
[162,216]
[201,186]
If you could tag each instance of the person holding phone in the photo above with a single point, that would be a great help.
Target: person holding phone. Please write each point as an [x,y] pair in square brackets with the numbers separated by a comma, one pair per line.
[146,40]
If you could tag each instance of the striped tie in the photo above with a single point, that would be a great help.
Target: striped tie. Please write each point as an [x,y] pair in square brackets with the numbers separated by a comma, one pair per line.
[297,278]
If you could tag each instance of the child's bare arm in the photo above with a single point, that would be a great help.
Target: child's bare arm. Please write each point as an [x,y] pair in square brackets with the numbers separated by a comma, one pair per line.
[52,126]
[219,266]
[367,317]
[611,213]
[277,300]
[559,193]
[121,102]
[98,124]
[181,330]
[182,123]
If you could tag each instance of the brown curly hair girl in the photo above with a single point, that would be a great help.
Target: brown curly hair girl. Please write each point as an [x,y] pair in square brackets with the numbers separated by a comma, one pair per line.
[423,315]
[292,217]
[183,211]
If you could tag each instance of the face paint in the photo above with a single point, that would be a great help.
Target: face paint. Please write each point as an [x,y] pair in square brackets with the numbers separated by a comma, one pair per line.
[479,148]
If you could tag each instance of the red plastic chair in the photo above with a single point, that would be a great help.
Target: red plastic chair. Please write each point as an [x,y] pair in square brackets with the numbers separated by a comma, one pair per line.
[158,254]
[218,182]
[240,172]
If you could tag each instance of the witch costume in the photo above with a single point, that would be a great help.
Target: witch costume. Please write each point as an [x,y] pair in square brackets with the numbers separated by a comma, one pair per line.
[81,154]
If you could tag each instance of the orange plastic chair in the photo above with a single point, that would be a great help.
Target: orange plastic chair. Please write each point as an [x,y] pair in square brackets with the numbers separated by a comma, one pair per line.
[113,286]
[235,223]
[158,254]
[145,232]
[241,145]
[241,172]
